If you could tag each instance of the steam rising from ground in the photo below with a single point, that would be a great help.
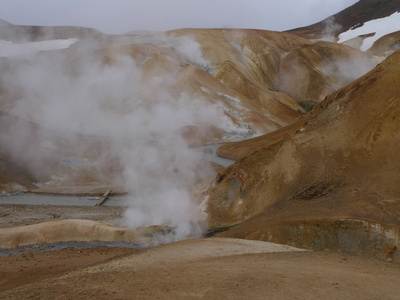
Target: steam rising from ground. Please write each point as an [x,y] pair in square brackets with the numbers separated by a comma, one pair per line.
[331,27]
[345,70]
[76,95]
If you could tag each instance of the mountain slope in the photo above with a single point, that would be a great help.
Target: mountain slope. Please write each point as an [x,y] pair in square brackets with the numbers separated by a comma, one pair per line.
[339,163]
[226,84]
[311,72]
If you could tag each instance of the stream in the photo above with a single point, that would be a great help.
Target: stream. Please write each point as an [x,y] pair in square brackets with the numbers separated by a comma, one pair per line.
[209,153]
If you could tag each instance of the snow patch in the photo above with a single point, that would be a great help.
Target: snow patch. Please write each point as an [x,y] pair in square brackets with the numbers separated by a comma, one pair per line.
[230,98]
[9,49]
[380,27]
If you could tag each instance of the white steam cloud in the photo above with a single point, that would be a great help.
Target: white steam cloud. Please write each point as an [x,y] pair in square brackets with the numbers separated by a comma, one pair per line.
[346,70]
[76,94]
[331,27]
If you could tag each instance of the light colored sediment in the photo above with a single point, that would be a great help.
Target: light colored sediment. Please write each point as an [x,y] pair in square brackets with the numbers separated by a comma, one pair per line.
[64,230]
[189,250]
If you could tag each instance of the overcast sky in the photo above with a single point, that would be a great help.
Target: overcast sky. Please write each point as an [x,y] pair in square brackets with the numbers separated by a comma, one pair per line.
[118,16]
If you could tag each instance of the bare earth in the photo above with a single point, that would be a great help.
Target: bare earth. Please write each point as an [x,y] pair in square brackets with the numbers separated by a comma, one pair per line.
[213,268]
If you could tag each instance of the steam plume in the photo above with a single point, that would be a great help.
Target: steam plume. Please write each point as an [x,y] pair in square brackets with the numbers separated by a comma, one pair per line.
[77,94]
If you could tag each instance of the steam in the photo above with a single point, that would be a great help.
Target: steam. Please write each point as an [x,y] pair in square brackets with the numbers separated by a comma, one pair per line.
[330,30]
[8,49]
[185,45]
[77,96]
[335,70]
[346,70]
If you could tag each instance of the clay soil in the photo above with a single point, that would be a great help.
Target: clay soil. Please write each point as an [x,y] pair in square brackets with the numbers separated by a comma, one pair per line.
[194,269]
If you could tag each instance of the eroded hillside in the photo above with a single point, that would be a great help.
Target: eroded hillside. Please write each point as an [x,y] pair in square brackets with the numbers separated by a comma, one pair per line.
[340,163]
[217,85]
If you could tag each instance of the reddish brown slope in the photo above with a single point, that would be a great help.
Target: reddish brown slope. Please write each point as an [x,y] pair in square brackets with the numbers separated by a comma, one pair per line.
[386,45]
[311,72]
[252,74]
[341,163]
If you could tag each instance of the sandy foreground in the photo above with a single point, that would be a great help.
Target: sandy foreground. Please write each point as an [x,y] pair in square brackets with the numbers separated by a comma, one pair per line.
[213,268]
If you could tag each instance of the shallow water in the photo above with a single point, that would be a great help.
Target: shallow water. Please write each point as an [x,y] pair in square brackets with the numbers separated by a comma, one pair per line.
[62,200]
[66,245]
[210,154]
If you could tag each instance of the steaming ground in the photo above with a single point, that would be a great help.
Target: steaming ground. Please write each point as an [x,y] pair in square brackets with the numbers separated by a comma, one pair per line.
[127,113]
[124,111]
[77,99]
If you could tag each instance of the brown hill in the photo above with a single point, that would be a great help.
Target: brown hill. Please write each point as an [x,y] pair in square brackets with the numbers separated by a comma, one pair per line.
[300,184]
[164,68]
[242,66]
[254,77]
[386,45]
[238,70]
[311,72]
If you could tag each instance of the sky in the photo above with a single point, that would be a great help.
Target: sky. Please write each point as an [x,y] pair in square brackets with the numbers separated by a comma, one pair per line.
[119,16]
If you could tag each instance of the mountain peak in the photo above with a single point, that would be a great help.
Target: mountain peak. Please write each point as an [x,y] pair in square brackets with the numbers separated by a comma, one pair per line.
[353,16]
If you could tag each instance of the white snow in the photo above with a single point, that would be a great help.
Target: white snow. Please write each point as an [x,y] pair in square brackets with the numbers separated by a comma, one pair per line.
[380,27]
[233,99]
[8,49]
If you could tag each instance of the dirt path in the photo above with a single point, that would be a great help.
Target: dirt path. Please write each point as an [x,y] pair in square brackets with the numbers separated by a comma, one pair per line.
[205,269]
